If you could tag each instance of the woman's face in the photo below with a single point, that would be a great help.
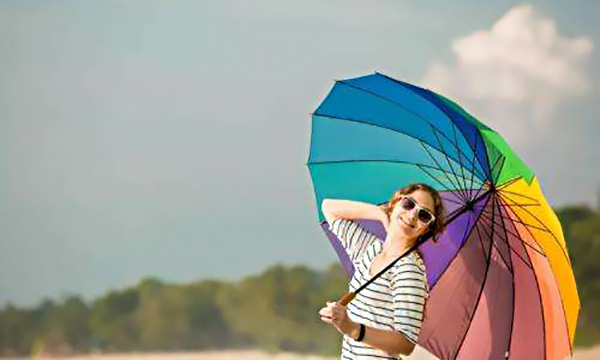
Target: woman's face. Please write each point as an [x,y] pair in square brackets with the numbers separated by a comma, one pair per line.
[407,221]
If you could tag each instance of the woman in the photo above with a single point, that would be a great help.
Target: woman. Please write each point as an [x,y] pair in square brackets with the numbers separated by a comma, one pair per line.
[384,320]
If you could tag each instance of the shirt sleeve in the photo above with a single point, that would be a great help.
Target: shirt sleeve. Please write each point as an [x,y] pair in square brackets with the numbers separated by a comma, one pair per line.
[353,237]
[409,292]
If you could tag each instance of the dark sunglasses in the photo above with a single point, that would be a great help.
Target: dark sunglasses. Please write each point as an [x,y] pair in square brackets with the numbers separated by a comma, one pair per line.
[424,215]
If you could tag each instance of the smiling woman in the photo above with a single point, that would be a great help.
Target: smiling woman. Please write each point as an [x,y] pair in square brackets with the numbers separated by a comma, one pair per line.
[385,319]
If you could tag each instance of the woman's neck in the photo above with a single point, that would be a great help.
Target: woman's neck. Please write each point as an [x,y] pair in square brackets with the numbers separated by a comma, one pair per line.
[396,245]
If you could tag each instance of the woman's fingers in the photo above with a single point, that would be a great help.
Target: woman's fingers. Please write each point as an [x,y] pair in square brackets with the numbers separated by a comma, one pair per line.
[334,313]
[337,310]
[325,311]
[326,319]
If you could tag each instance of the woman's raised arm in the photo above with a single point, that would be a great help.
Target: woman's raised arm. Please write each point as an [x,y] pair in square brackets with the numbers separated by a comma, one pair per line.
[350,209]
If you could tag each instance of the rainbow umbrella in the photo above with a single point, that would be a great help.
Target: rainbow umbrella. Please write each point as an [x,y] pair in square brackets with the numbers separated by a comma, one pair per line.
[500,279]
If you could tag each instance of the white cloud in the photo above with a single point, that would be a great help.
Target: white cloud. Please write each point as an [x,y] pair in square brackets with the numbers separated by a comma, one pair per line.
[515,74]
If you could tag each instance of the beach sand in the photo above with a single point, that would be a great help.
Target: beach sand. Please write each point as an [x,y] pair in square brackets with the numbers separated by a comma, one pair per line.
[418,354]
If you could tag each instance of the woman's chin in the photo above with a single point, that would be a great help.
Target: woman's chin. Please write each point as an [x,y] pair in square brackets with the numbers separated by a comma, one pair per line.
[407,231]
[403,230]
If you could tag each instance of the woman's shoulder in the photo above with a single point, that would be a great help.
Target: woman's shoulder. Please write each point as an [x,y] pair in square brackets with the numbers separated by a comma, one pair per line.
[410,268]
[419,260]
[411,261]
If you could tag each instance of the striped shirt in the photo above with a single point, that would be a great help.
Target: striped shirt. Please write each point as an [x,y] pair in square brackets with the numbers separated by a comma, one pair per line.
[394,301]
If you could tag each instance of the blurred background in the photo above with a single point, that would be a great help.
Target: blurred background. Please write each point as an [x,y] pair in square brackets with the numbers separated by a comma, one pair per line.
[154,193]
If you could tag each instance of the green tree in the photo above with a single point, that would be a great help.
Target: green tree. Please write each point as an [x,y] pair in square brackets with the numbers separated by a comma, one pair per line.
[16,328]
[113,322]
[278,310]
[67,329]
[584,246]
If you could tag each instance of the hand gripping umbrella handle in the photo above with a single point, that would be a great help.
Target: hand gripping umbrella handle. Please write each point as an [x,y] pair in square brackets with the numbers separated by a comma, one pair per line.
[345,300]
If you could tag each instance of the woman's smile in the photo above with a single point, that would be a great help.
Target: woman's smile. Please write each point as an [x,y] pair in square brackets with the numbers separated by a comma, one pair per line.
[407,223]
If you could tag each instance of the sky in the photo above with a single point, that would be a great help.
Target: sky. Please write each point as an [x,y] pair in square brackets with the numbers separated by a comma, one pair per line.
[169,138]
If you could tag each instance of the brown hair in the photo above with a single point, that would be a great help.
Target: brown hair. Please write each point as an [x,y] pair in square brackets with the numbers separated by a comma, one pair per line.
[437,226]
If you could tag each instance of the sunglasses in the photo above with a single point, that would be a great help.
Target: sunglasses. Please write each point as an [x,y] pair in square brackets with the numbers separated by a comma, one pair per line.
[425,216]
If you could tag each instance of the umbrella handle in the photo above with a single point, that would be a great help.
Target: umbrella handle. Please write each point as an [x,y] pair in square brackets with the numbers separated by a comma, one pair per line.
[344,300]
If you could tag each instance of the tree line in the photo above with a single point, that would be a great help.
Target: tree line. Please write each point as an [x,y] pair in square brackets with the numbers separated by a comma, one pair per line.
[275,310]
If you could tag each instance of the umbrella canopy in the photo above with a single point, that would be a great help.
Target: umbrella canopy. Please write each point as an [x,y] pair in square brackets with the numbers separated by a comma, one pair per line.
[500,279]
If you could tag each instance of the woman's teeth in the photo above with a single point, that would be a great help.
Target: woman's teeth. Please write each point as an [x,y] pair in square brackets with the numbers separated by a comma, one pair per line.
[407,224]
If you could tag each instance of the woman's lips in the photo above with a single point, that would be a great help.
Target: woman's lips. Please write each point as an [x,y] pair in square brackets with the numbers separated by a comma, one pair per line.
[407,224]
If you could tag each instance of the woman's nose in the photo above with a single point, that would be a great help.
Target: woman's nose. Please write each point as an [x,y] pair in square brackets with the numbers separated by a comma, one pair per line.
[412,213]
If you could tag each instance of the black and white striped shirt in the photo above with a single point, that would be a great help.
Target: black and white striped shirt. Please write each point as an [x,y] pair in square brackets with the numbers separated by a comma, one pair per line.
[394,301]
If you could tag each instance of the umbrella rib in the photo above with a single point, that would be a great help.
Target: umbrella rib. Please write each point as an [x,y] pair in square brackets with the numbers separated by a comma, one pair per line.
[452,200]
[493,243]
[473,164]
[512,278]
[493,232]
[485,277]
[488,177]
[557,287]
[519,236]
[437,107]
[505,237]
[384,161]
[480,237]
[500,160]
[502,191]
[465,236]
[545,229]
[509,182]
[462,165]
[512,249]
[404,108]
[524,223]
[550,264]
[448,177]
[520,204]
[481,187]
[537,288]
[358,121]
[521,195]
[448,161]
[491,171]
[456,211]
[454,193]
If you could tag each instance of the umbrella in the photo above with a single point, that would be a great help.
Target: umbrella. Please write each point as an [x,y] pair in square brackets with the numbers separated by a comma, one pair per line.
[500,278]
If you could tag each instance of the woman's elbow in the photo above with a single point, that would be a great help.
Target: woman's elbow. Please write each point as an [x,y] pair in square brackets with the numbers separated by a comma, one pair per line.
[404,347]
[404,350]
[326,208]
[325,204]
[409,349]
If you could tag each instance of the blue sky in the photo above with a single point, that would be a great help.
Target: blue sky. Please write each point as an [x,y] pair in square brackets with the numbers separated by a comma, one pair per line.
[168,138]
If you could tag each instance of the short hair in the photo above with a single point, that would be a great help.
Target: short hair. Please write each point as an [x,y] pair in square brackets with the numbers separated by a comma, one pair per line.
[438,225]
